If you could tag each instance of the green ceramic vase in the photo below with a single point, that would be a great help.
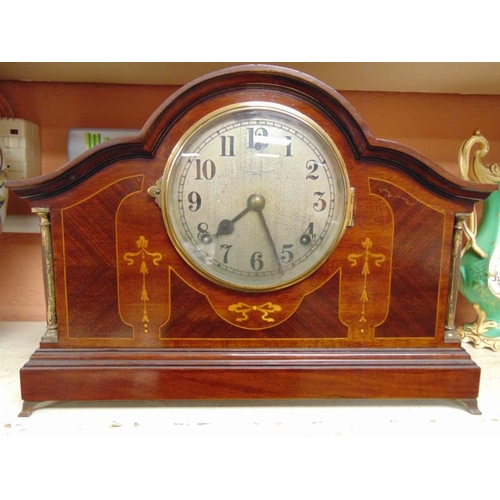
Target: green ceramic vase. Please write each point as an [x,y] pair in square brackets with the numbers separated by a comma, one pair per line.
[480,276]
[480,260]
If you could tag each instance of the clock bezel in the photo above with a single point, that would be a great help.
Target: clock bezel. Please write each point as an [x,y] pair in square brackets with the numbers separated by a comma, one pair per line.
[346,205]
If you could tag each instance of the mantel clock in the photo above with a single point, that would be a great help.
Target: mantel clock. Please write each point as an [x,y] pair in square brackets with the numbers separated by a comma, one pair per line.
[254,241]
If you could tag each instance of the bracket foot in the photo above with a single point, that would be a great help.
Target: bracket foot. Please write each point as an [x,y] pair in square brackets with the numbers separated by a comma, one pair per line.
[472,406]
[28,408]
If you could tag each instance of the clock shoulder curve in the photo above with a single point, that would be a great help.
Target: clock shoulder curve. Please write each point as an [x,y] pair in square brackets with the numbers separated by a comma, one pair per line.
[243,82]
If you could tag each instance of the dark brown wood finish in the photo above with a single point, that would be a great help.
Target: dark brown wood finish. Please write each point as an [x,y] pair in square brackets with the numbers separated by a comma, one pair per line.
[370,323]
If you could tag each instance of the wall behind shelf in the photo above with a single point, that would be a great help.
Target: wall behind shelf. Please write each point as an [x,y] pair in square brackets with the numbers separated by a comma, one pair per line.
[21,284]
[434,124]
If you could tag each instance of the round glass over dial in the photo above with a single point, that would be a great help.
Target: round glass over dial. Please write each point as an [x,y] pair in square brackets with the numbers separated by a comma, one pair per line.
[255,196]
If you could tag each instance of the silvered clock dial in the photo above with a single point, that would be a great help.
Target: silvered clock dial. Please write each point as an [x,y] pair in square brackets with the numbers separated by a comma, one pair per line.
[255,196]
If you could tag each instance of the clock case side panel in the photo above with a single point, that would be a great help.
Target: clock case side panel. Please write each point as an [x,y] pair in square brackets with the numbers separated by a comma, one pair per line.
[126,373]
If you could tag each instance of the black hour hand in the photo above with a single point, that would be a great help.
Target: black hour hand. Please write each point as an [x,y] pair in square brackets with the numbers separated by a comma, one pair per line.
[226,226]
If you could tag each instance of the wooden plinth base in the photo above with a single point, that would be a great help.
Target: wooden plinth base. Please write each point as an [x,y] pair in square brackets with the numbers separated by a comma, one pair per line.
[158,374]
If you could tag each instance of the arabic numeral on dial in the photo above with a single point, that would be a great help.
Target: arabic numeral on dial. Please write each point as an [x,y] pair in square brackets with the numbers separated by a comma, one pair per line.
[226,253]
[205,170]
[320,203]
[313,167]
[203,235]
[194,200]
[309,235]
[227,145]
[253,138]
[256,261]
[287,254]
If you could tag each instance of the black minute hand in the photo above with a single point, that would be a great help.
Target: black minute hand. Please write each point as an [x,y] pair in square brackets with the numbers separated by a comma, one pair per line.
[270,239]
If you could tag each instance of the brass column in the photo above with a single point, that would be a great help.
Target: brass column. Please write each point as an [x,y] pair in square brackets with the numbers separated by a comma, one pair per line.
[48,274]
[450,329]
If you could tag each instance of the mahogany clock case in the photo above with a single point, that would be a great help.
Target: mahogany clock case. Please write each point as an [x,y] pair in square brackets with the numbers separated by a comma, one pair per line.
[129,319]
